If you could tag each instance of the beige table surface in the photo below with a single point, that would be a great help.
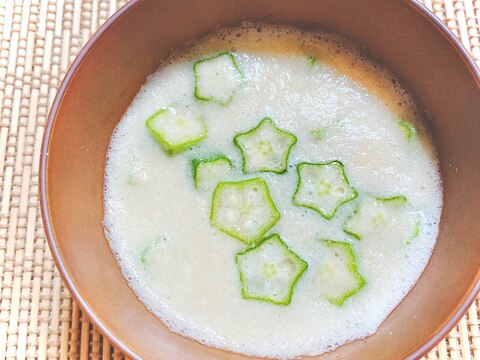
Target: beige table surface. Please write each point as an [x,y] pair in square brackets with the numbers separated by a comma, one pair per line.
[38,41]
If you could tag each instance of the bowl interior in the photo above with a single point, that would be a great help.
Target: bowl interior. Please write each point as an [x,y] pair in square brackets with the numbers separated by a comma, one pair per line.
[109,72]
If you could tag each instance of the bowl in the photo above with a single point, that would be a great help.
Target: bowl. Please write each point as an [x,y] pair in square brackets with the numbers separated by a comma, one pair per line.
[113,65]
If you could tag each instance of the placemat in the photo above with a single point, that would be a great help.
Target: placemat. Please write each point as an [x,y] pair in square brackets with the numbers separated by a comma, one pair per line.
[38,41]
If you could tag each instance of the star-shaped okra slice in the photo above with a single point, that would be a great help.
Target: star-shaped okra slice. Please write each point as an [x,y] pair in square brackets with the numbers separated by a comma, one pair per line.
[323,187]
[380,214]
[217,78]
[265,147]
[243,209]
[269,271]
[176,131]
[338,275]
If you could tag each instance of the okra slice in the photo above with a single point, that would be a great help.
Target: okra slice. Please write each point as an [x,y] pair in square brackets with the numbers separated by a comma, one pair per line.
[323,187]
[152,254]
[137,173]
[176,131]
[416,230]
[265,147]
[408,129]
[243,209]
[338,274]
[269,271]
[208,172]
[375,213]
[217,78]
[311,60]
[318,134]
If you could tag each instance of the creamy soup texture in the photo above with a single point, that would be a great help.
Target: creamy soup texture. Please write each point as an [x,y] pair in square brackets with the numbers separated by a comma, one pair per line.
[340,107]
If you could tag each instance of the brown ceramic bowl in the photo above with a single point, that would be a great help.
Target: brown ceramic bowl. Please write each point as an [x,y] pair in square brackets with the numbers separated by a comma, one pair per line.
[113,65]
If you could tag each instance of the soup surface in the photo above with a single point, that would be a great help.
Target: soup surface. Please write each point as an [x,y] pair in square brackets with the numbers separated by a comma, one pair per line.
[339,107]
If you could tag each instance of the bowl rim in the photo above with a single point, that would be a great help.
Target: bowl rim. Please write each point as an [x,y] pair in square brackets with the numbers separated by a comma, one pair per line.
[420,351]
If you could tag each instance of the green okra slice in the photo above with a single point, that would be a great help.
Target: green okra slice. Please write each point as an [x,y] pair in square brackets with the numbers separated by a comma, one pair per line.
[176,131]
[265,147]
[208,172]
[416,230]
[243,209]
[269,271]
[373,214]
[137,173]
[217,78]
[408,129]
[323,187]
[338,274]
[153,253]
[311,60]
[318,134]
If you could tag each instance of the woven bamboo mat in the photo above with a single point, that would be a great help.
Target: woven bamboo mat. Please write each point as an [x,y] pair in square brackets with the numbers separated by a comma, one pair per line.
[38,41]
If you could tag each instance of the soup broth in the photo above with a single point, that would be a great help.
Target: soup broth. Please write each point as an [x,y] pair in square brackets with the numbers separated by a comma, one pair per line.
[328,107]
